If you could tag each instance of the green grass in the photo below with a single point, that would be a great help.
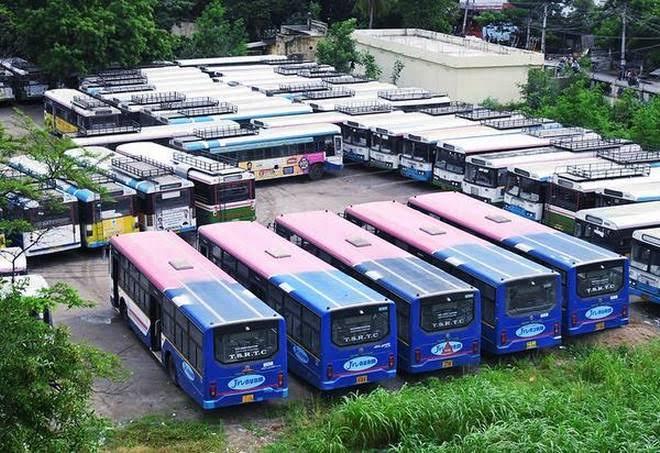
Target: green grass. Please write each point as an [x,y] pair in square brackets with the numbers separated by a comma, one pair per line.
[162,434]
[580,399]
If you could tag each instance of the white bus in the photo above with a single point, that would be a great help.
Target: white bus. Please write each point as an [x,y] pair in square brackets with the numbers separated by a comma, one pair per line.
[299,120]
[227,61]
[645,264]
[612,227]
[527,184]
[449,165]
[165,201]
[222,192]
[6,90]
[72,112]
[630,193]
[486,174]
[28,80]
[387,140]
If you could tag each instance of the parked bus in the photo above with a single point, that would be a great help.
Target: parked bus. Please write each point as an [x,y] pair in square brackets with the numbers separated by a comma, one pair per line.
[520,299]
[438,315]
[101,214]
[217,341]
[527,185]
[645,264]
[627,194]
[387,141]
[222,192]
[449,166]
[594,281]
[356,135]
[164,200]
[612,226]
[231,61]
[299,120]
[28,79]
[270,153]
[341,333]
[6,90]
[575,189]
[486,174]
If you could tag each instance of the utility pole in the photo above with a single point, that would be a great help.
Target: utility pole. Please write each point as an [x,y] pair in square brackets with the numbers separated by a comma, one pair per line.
[622,66]
[545,22]
[465,15]
[529,25]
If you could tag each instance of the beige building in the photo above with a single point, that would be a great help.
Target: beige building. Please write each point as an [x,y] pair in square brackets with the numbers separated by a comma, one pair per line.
[467,69]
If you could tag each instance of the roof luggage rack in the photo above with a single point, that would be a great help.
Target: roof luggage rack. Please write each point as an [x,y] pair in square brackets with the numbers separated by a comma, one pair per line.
[607,170]
[109,129]
[514,123]
[219,158]
[141,167]
[481,113]
[453,108]
[556,132]
[126,89]
[201,163]
[100,178]
[361,108]
[158,98]
[220,109]
[630,154]
[290,59]
[88,102]
[117,72]
[302,87]
[345,79]
[404,94]
[224,132]
[339,92]
[586,143]
[189,103]
[137,80]
[312,74]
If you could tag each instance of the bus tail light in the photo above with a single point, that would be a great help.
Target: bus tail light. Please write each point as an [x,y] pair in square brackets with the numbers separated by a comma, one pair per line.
[390,361]
[475,347]
[418,356]
[330,372]
[624,311]
[280,379]
[503,338]
[557,329]
[574,319]
[213,389]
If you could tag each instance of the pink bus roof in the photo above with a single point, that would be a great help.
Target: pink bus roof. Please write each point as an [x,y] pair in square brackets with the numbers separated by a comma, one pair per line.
[267,253]
[331,232]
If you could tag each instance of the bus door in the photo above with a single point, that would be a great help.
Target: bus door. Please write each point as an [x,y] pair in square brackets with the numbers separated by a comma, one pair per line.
[155,317]
[115,276]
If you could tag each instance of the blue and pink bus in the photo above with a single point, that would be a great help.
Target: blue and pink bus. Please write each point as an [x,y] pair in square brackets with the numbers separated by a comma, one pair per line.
[594,289]
[520,300]
[341,332]
[438,315]
[217,341]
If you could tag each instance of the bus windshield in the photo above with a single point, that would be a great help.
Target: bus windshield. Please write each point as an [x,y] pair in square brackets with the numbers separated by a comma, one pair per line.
[246,342]
[118,207]
[354,326]
[481,176]
[235,191]
[439,313]
[530,295]
[599,279]
[50,217]
[451,161]
[173,199]
[355,136]
[525,188]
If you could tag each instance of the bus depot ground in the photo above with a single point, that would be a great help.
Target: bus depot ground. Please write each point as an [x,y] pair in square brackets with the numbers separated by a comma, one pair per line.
[147,389]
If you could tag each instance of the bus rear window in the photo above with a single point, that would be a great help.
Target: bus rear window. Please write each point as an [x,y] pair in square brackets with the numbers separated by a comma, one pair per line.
[599,279]
[246,342]
[446,312]
[530,295]
[354,326]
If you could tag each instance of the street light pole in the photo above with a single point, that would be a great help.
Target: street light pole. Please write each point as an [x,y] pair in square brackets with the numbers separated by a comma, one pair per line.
[622,65]
[545,23]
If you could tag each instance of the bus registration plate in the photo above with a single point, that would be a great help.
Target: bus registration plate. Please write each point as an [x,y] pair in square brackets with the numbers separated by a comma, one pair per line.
[361,379]
[447,363]
[600,325]
[247,398]
[530,344]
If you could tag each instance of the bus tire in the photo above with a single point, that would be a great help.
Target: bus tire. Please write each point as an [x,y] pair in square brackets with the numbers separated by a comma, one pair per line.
[171,370]
[316,172]
[123,312]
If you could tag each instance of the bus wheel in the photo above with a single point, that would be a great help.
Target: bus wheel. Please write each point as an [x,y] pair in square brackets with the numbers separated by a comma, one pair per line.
[316,172]
[171,370]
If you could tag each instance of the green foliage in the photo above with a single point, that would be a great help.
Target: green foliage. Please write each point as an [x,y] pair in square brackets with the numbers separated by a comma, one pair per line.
[396,71]
[46,378]
[577,400]
[541,88]
[435,15]
[215,35]
[371,69]
[69,37]
[263,17]
[645,124]
[172,12]
[338,47]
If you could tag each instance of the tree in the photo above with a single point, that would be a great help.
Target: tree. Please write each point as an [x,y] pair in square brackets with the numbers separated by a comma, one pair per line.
[371,68]
[338,47]
[435,15]
[396,70]
[172,12]
[215,35]
[263,17]
[72,37]
[645,128]
[47,380]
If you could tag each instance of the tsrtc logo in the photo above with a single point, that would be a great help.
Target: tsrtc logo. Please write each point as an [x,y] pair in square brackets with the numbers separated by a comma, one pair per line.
[446,348]
[360,363]
[188,371]
[246,382]
[530,330]
[300,354]
[599,312]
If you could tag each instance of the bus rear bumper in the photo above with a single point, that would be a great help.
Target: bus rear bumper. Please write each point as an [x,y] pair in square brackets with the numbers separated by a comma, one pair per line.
[523,345]
[443,363]
[244,398]
[595,326]
[353,380]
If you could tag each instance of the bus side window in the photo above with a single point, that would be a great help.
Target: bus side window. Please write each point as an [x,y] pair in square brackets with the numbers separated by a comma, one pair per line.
[181,332]
[311,331]
[195,356]
[292,317]
[276,299]
[242,271]
[228,263]
[403,320]
[168,319]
